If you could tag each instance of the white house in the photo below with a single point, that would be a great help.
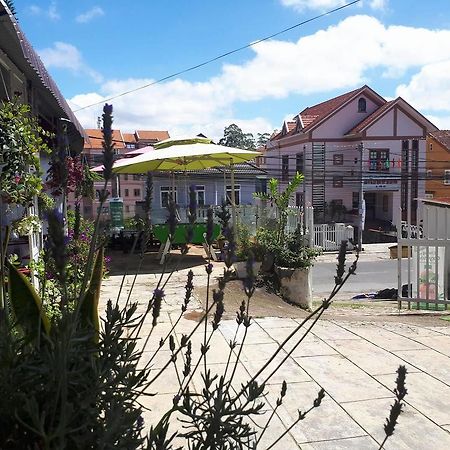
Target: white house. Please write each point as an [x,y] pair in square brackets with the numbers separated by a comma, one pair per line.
[355,142]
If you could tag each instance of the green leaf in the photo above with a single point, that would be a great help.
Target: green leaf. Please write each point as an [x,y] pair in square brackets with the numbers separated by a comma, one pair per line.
[26,304]
[89,306]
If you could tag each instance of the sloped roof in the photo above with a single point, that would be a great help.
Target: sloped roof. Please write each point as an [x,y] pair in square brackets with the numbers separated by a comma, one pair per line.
[152,135]
[443,137]
[371,118]
[94,138]
[37,67]
[129,137]
[316,113]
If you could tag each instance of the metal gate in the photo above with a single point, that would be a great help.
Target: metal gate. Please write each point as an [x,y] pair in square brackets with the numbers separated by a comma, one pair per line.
[425,248]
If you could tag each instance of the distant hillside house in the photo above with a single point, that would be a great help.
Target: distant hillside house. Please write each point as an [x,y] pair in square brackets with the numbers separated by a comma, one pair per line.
[332,141]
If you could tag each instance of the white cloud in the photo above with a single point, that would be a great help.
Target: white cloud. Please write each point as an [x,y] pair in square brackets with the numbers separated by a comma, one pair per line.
[378,4]
[67,56]
[337,58]
[442,122]
[429,88]
[51,12]
[92,13]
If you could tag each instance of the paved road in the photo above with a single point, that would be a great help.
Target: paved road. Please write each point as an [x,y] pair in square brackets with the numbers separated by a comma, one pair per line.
[371,276]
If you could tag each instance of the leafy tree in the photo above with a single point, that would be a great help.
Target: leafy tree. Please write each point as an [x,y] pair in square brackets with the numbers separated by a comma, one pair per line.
[233,136]
[262,139]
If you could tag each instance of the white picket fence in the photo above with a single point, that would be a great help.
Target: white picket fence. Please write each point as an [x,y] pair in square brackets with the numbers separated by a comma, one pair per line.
[329,237]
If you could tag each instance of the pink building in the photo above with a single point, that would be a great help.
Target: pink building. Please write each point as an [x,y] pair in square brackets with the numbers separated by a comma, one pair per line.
[131,188]
[356,142]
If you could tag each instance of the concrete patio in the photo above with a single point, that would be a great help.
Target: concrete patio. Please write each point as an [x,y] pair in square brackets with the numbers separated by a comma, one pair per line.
[353,360]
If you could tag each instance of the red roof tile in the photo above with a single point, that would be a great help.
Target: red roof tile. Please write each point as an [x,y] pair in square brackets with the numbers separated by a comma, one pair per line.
[371,118]
[148,135]
[443,137]
[129,137]
[94,138]
[315,113]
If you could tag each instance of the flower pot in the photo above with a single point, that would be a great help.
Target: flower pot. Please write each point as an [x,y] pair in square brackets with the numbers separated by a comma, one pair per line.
[240,268]
[295,285]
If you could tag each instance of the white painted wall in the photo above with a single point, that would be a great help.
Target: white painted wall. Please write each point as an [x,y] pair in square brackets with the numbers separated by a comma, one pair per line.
[344,120]
[407,127]
[383,126]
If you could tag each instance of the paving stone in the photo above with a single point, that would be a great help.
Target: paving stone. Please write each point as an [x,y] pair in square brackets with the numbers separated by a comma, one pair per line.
[413,431]
[439,343]
[356,443]
[310,346]
[369,357]
[327,422]
[269,323]
[384,338]
[426,394]
[325,330]
[241,374]
[290,371]
[255,334]
[407,330]
[442,330]
[259,352]
[342,379]
[428,361]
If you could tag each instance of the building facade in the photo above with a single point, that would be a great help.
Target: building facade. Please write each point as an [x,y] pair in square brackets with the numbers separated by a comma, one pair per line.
[437,183]
[130,188]
[356,145]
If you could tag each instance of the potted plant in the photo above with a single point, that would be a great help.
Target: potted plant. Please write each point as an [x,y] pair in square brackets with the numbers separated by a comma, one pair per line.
[247,246]
[287,254]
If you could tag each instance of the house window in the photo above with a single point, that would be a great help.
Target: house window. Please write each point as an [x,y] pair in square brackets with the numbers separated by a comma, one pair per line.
[429,195]
[446,177]
[237,194]
[362,106]
[137,192]
[429,173]
[129,145]
[338,181]
[261,185]
[299,163]
[379,160]
[136,177]
[355,200]
[125,177]
[285,168]
[385,203]
[127,208]
[165,193]
[299,199]
[338,159]
[199,195]
[127,192]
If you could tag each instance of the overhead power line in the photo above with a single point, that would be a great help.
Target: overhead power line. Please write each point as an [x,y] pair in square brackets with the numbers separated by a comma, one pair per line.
[221,56]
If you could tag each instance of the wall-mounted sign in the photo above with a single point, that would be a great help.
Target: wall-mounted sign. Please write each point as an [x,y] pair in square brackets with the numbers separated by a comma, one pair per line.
[381,184]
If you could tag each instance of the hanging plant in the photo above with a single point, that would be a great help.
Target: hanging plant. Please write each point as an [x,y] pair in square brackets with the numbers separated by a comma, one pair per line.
[21,142]
[27,225]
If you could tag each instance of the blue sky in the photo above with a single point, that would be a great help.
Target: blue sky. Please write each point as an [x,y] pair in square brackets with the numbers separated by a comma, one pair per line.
[95,49]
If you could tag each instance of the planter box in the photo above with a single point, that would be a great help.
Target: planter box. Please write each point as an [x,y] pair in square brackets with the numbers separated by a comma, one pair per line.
[393,252]
[240,268]
[296,285]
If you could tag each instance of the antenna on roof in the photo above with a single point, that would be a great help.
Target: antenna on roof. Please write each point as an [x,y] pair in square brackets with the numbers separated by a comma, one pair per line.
[99,122]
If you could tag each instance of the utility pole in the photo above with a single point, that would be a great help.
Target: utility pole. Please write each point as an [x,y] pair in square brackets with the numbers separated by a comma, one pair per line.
[361,197]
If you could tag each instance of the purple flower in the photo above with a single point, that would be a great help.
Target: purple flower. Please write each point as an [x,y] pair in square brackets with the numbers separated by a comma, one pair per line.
[209,268]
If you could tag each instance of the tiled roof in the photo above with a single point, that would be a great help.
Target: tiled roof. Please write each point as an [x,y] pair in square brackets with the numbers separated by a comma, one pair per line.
[129,137]
[315,113]
[443,137]
[38,67]
[371,118]
[94,138]
[291,125]
[148,135]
